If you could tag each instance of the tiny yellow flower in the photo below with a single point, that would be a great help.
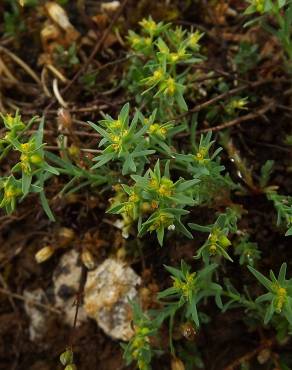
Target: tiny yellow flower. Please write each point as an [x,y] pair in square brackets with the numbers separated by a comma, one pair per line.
[213,249]
[187,286]
[115,138]
[224,241]
[147,41]
[260,5]
[116,124]
[73,150]
[24,158]
[134,198]
[164,191]
[174,57]
[154,184]
[155,128]
[11,192]
[25,167]
[200,156]
[128,208]
[26,147]
[281,295]
[171,88]
[125,133]
[158,74]
[194,39]
[9,120]
[149,25]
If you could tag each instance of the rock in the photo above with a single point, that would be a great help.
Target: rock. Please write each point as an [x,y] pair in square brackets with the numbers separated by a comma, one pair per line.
[37,315]
[66,281]
[107,293]
[59,17]
[110,7]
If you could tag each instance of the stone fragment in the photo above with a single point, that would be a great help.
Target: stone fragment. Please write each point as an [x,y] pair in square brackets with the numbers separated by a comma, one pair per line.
[36,314]
[66,280]
[108,290]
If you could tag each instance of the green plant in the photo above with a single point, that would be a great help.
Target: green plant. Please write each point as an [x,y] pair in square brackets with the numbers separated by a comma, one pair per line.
[247,251]
[257,311]
[283,205]
[139,348]
[66,359]
[156,194]
[124,141]
[218,242]
[153,170]
[279,296]
[66,58]
[247,57]
[157,55]
[13,22]
[189,289]
[204,163]
[281,11]
[32,167]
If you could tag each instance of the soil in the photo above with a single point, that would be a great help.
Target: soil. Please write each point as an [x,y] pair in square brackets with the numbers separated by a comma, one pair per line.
[22,234]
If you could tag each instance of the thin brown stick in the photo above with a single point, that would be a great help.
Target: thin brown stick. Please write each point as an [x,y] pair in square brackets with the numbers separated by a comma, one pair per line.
[248,356]
[20,62]
[223,96]
[240,119]
[30,300]
[93,53]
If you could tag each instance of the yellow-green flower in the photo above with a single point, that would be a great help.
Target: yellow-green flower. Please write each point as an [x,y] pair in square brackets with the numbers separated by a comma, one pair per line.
[186,286]
[201,155]
[260,5]
[194,39]
[163,220]
[281,295]
[170,86]
[149,25]
[156,129]
[156,77]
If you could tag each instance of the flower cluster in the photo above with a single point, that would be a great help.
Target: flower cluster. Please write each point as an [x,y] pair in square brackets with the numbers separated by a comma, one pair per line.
[159,196]
[31,170]
[165,50]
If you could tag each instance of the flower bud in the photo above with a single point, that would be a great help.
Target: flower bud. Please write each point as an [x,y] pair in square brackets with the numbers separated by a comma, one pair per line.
[65,236]
[74,151]
[224,241]
[66,358]
[177,364]
[212,249]
[44,254]
[71,367]
[36,159]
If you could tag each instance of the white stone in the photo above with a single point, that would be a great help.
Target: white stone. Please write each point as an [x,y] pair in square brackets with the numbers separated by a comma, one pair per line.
[36,314]
[66,281]
[107,293]
[112,6]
